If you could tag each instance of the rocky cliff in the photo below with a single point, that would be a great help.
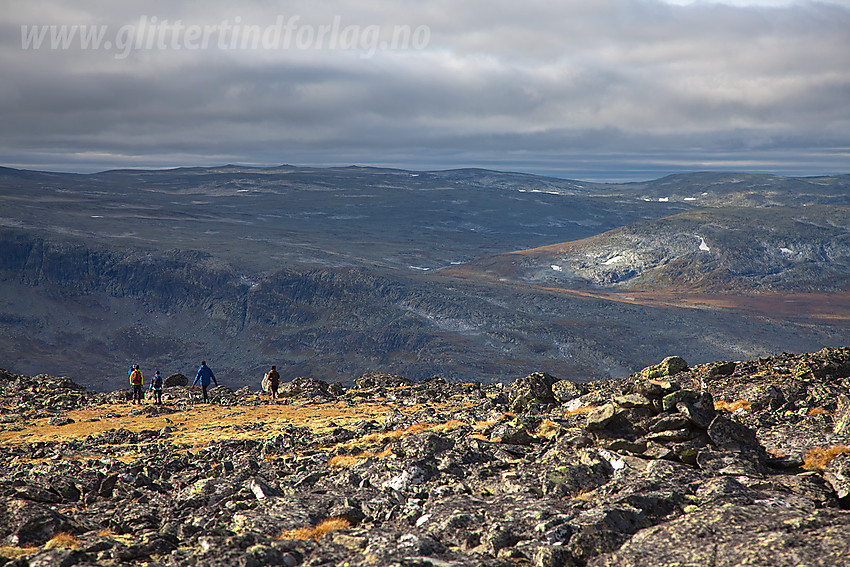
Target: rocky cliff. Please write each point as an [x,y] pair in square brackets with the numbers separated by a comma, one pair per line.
[726,463]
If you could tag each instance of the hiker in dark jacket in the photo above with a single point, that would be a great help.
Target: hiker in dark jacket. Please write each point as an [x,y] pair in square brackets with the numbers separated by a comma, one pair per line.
[274,381]
[204,376]
[156,386]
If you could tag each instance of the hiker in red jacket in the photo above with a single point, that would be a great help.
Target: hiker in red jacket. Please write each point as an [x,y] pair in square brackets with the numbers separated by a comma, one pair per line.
[136,381]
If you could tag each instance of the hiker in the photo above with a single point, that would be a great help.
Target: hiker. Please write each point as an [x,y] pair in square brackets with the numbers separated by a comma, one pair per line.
[156,386]
[274,381]
[204,376]
[136,381]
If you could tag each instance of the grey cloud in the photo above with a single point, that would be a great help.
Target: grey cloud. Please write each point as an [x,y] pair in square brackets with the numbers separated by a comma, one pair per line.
[535,83]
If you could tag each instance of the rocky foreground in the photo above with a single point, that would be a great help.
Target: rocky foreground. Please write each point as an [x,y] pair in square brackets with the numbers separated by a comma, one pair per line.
[728,463]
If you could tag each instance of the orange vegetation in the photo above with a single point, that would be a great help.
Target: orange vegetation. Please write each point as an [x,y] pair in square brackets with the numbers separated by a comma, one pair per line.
[579,411]
[820,457]
[732,406]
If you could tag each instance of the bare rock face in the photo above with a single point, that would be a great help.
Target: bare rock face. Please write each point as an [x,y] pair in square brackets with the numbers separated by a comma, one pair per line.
[703,467]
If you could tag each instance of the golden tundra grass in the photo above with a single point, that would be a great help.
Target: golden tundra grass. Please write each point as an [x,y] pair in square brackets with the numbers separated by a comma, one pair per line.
[316,532]
[12,552]
[63,541]
[198,426]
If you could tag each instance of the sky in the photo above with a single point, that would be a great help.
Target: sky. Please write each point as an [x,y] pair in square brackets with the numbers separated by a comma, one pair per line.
[602,90]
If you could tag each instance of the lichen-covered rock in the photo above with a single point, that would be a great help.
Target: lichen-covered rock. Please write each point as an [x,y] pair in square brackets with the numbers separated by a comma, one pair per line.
[565,390]
[837,474]
[668,367]
[731,534]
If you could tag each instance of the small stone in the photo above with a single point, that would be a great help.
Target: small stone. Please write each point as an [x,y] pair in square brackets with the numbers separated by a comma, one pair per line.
[633,401]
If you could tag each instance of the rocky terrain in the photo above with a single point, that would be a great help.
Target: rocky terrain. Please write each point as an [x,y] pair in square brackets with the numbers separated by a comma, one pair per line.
[726,463]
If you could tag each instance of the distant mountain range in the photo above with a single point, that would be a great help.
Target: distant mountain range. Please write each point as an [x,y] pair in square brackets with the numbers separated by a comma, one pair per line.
[470,274]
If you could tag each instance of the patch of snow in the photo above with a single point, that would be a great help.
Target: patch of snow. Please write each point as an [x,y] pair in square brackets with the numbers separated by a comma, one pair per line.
[786,250]
[690,198]
[613,260]
[420,268]
[97,216]
[243,190]
[648,200]
[614,460]
[663,199]
[702,245]
[557,268]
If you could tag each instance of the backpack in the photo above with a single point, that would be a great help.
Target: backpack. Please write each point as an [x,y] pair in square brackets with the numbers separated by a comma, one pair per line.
[136,378]
[157,382]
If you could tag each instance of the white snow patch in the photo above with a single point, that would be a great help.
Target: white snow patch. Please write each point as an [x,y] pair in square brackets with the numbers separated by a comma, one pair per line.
[702,245]
[786,250]
[420,268]
[557,268]
[663,199]
[613,260]
[614,460]
[690,198]
[97,216]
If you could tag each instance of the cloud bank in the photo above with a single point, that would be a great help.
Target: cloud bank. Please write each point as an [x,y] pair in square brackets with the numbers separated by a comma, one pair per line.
[595,89]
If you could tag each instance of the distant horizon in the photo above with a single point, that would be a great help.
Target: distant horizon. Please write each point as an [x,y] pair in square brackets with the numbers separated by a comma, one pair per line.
[596,177]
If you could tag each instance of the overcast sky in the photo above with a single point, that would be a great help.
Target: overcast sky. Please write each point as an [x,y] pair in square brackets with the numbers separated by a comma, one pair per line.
[585,89]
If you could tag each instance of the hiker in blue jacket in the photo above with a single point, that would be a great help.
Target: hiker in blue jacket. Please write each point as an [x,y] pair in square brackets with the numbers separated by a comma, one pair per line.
[204,376]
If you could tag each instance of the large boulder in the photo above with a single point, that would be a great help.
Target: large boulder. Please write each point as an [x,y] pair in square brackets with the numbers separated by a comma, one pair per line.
[303,387]
[176,379]
[536,388]
[667,367]
[381,379]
